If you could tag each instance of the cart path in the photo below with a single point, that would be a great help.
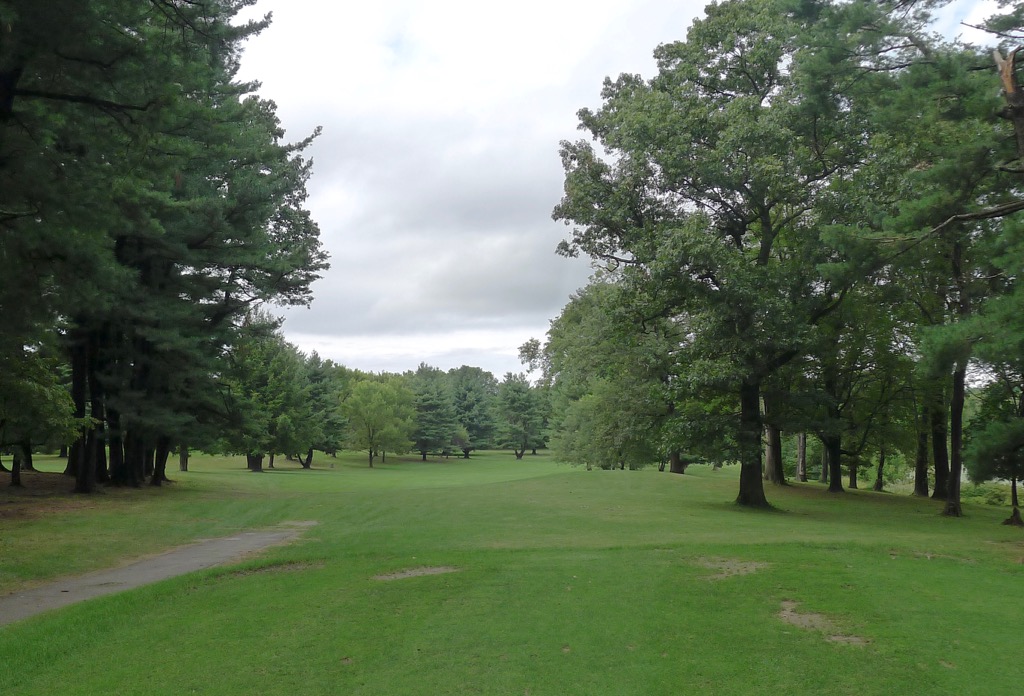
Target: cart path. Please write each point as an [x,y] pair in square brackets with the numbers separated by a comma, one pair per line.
[179,561]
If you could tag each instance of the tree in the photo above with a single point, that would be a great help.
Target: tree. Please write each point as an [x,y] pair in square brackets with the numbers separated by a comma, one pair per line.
[380,416]
[436,419]
[520,415]
[475,392]
[708,193]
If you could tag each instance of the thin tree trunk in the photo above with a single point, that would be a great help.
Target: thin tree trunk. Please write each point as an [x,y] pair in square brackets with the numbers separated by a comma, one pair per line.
[834,450]
[921,456]
[956,434]
[801,457]
[16,469]
[879,482]
[751,484]
[1014,518]
[371,459]
[823,476]
[160,455]
[182,457]
[85,472]
[309,459]
[940,453]
[270,461]
[853,467]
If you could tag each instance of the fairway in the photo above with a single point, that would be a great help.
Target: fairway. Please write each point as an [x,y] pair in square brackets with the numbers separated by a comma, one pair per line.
[497,576]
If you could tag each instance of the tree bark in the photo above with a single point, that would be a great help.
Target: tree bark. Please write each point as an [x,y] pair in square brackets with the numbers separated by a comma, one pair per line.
[309,459]
[16,469]
[270,461]
[84,471]
[853,467]
[254,462]
[879,481]
[921,456]
[823,476]
[182,457]
[956,433]
[801,457]
[834,453]
[676,465]
[1014,519]
[751,483]
[162,452]
[940,453]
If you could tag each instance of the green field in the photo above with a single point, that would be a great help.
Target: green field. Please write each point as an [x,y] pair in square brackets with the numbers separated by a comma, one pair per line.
[566,582]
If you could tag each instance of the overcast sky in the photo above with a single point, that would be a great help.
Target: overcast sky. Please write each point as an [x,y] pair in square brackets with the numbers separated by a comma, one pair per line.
[438,166]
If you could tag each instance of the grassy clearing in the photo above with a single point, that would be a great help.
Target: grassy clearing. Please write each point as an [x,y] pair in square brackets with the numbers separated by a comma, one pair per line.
[568,582]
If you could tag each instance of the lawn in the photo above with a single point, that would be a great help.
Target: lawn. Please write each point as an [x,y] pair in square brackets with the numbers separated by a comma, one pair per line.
[561,581]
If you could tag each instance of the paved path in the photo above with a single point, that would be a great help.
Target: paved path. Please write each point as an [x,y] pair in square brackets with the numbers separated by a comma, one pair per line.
[182,560]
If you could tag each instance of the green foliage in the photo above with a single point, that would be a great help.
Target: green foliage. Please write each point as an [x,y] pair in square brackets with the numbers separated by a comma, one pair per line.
[521,415]
[381,416]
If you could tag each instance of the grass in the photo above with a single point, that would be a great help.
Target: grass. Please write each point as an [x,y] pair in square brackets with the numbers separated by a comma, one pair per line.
[569,582]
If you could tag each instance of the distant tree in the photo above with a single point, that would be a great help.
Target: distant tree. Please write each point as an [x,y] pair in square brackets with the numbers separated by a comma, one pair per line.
[436,418]
[475,393]
[381,417]
[521,417]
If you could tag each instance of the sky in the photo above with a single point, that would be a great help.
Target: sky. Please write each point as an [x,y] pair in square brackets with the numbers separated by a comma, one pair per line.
[438,167]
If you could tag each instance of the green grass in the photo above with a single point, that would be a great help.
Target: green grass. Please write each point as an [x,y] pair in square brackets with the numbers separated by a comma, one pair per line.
[569,582]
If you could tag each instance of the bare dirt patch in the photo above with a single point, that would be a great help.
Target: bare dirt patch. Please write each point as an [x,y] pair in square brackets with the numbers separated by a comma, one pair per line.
[729,567]
[417,572]
[289,567]
[810,621]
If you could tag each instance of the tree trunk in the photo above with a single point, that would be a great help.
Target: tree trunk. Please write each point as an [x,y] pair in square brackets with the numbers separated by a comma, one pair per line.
[63,454]
[854,467]
[309,459]
[823,476]
[921,456]
[371,459]
[773,470]
[519,452]
[751,484]
[879,482]
[1014,519]
[676,465]
[98,434]
[162,452]
[254,462]
[148,461]
[84,471]
[16,469]
[834,452]
[270,461]
[423,455]
[940,453]
[465,453]
[956,435]
[182,457]
[801,457]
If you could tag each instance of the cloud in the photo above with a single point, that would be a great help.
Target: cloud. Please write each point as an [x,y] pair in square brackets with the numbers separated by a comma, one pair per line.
[438,166]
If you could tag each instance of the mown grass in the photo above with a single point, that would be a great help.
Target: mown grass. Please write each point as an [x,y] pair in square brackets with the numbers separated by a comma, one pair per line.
[569,582]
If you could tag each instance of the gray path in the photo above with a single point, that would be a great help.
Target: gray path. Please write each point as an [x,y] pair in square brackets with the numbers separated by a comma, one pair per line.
[185,559]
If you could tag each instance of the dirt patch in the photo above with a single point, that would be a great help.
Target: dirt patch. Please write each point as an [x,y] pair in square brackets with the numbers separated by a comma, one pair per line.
[810,621]
[417,572]
[729,567]
[289,567]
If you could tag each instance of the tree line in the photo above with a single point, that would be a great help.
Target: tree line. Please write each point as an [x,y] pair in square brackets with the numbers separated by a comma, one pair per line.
[805,223]
[285,402]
